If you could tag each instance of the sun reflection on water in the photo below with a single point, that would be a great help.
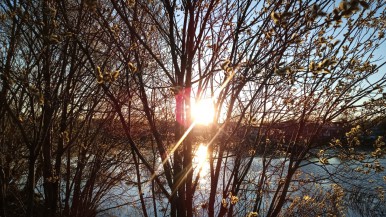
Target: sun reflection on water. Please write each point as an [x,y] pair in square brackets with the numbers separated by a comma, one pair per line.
[200,160]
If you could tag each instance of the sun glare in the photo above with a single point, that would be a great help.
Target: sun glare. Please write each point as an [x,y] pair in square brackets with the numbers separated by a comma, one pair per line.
[203,112]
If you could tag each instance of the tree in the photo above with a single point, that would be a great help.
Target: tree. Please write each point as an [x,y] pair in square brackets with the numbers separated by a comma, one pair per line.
[50,116]
[278,74]
[263,63]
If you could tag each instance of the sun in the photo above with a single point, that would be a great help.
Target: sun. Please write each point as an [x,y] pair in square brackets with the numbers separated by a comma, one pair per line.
[203,112]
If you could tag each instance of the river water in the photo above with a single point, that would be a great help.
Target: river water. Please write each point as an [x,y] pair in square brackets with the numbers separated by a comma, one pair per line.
[362,190]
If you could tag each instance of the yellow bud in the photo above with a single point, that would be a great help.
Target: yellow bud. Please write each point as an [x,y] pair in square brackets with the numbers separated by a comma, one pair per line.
[41,99]
[115,75]
[132,68]
[225,64]
[275,17]
[343,5]
[100,79]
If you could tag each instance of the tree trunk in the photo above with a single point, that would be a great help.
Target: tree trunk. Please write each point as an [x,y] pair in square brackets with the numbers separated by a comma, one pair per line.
[2,192]
[30,186]
[50,179]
